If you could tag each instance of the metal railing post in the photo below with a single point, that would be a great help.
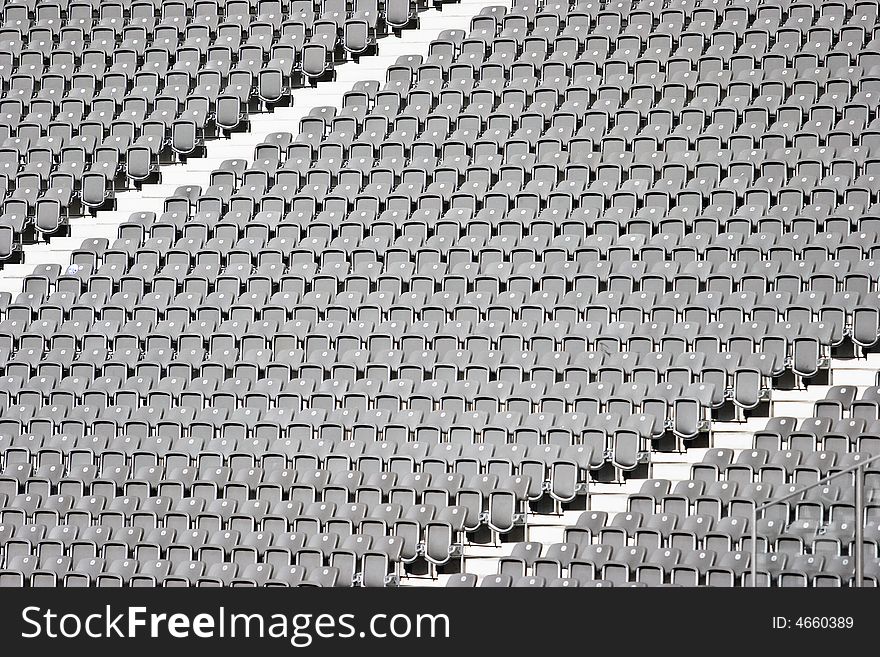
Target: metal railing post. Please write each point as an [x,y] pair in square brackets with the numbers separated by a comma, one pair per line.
[860,521]
[754,545]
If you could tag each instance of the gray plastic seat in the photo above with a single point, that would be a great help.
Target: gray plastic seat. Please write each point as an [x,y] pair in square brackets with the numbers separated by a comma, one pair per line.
[398,13]
[356,36]
[463,580]
[314,58]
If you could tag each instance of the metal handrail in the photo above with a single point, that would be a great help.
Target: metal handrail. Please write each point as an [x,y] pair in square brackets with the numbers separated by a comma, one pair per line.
[860,512]
[821,481]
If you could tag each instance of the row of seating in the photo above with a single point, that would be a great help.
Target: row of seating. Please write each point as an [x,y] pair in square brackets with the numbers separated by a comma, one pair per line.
[310,470]
[602,565]
[128,572]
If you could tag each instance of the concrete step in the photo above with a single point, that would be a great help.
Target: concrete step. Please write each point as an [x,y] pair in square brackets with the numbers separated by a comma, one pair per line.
[852,375]
[609,502]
